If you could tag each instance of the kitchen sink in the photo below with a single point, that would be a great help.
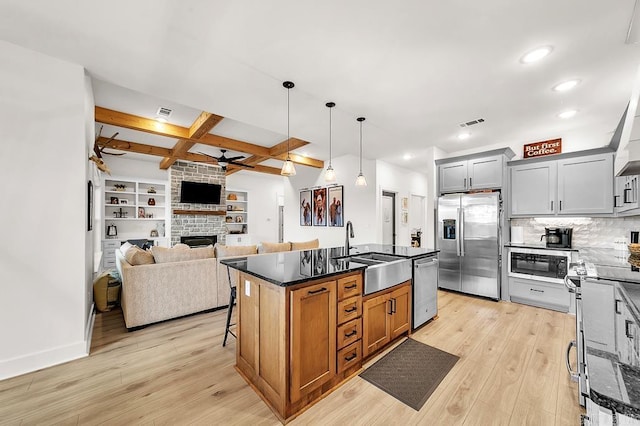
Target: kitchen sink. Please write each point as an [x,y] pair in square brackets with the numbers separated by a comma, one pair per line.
[382,271]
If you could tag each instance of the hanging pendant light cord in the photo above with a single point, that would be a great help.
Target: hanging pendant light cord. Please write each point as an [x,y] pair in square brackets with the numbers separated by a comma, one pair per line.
[360,146]
[329,136]
[288,90]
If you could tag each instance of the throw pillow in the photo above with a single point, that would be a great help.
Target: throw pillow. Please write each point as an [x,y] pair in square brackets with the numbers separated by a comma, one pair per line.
[124,247]
[227,251]
[181,246]
[305,245]
[136,256]
[179,254]
[274,247]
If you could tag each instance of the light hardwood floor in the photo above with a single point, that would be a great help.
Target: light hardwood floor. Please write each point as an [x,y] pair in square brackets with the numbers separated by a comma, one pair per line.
[511,371]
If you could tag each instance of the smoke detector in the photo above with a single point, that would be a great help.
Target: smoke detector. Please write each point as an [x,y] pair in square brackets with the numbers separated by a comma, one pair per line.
[163,114]
[472,122]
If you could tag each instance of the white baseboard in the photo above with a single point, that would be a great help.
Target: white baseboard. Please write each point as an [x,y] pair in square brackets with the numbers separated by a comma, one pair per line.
[39,360]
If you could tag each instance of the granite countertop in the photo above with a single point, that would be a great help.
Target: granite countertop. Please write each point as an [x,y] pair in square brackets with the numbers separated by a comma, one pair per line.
[295,267]
[613,359]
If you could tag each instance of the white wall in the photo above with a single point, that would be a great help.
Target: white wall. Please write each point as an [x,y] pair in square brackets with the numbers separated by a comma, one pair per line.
[404,183]
[263,195]
[43,167]
[359,203]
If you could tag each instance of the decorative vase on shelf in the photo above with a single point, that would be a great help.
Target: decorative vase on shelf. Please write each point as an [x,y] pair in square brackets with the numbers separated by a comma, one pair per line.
[151,202]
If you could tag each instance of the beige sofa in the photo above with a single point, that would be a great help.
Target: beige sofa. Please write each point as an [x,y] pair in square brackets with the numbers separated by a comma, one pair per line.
[170,283]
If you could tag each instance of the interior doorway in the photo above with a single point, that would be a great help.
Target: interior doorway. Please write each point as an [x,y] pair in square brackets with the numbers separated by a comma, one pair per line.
[388,217]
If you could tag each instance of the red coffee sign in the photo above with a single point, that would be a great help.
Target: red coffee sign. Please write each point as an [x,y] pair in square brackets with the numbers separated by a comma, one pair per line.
[539,149]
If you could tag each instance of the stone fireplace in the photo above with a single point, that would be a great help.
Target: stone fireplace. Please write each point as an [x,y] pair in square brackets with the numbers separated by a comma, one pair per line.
[199,240]
[203,223]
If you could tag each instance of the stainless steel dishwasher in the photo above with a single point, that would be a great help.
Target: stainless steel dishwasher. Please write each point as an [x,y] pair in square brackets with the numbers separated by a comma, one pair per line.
[425,289]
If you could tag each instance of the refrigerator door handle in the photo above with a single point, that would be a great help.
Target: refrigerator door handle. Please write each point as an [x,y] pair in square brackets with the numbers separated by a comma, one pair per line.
[461,232]
[458,232]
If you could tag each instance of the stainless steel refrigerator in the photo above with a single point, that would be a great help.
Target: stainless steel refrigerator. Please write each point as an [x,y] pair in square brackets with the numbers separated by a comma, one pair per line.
[468,237]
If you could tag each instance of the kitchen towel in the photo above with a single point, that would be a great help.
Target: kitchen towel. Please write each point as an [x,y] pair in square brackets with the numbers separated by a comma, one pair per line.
[517,235]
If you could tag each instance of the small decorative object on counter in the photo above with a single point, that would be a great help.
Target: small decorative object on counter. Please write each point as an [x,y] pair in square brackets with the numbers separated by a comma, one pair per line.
[228,219]
[114,200]
[124,201]
[161,228]
[151,202]
[229,207]
[238,219]
[154,233]
[151,190]
[232,197]
[120,187]
[141,212]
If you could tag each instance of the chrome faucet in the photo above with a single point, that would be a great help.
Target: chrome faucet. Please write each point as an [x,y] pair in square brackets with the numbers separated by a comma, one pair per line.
[348,227]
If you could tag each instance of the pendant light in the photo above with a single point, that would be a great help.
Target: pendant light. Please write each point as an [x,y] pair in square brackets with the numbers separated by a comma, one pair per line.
[360,180]
[288,169]
[330,174]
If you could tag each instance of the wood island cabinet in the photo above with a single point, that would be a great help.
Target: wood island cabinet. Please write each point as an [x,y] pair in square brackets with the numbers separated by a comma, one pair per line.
[297,343]
[386,316]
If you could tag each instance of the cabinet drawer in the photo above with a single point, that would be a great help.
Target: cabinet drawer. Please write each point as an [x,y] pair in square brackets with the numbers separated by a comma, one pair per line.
[349,309]
[349,356]
[349,286]
[547,295]
[110,245]
[109,263]
[349,332]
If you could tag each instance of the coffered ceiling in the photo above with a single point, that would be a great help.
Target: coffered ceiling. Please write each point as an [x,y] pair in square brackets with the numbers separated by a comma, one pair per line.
[415,69]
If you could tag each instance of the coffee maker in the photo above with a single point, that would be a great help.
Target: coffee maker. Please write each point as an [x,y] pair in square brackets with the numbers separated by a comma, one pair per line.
[557,237]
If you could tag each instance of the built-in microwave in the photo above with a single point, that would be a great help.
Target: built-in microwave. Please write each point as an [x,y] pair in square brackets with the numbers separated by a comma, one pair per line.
[538,264]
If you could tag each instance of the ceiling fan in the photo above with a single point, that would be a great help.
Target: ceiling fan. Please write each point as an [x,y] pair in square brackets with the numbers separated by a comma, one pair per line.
[224,161]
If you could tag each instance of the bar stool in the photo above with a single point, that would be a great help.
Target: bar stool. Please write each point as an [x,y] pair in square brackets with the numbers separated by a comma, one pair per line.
[232,301]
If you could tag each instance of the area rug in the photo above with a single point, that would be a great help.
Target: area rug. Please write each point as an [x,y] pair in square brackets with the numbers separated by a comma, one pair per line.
[410,372]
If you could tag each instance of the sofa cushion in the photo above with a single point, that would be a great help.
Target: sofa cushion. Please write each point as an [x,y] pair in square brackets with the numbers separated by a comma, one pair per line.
[305,245]
[182,246]
[227,251]
[274,247]
[136,256]
[179,254]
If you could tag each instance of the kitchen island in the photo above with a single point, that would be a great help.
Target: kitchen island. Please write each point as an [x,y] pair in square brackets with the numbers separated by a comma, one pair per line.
[302,319]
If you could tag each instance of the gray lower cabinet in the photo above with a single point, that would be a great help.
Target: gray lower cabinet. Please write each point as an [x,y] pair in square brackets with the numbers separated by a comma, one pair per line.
[539,293]
[575,185]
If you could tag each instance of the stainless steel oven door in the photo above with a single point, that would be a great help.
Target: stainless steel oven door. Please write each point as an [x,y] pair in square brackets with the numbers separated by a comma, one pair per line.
[540,265]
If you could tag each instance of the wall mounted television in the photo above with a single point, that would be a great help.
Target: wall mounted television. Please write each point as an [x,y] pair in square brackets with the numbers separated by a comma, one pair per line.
[200,192]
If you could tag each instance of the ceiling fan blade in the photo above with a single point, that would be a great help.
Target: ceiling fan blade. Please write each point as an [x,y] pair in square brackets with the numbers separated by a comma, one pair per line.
[238,157]
[207,155]
[237,163]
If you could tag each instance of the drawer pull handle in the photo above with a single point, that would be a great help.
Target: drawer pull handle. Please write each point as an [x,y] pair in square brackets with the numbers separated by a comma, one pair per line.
[349,287]
[617,308]
[353,309]
[320,290]
[350,357]
[351,333]
[627,330]
[536,290]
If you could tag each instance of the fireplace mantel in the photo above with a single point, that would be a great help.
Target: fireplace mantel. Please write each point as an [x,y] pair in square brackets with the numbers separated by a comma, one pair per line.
[201,212]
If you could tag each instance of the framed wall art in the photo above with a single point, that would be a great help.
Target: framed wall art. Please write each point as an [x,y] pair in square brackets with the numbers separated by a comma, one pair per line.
[320,207]
[336,206]
[305,208]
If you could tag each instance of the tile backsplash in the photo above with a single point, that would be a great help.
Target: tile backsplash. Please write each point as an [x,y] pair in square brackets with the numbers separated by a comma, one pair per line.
[587,231]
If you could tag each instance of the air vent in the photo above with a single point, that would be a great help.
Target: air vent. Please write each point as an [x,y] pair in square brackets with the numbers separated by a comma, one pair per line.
[472,122]
[164,112]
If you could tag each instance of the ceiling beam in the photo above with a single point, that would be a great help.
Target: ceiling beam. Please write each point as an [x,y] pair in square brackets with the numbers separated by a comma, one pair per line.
[140,148]
[200,127]
[195,134]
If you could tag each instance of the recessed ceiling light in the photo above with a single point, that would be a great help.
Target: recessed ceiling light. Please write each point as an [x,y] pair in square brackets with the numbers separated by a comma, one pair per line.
[568,114]
[566,85]
[407,156]
[536,54]
[161,119]
[463,136]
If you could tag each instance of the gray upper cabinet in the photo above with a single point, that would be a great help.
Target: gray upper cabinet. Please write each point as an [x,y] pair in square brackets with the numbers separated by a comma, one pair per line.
[471,174]
[567,186]
[585,185]
[533,188]
[453,176]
